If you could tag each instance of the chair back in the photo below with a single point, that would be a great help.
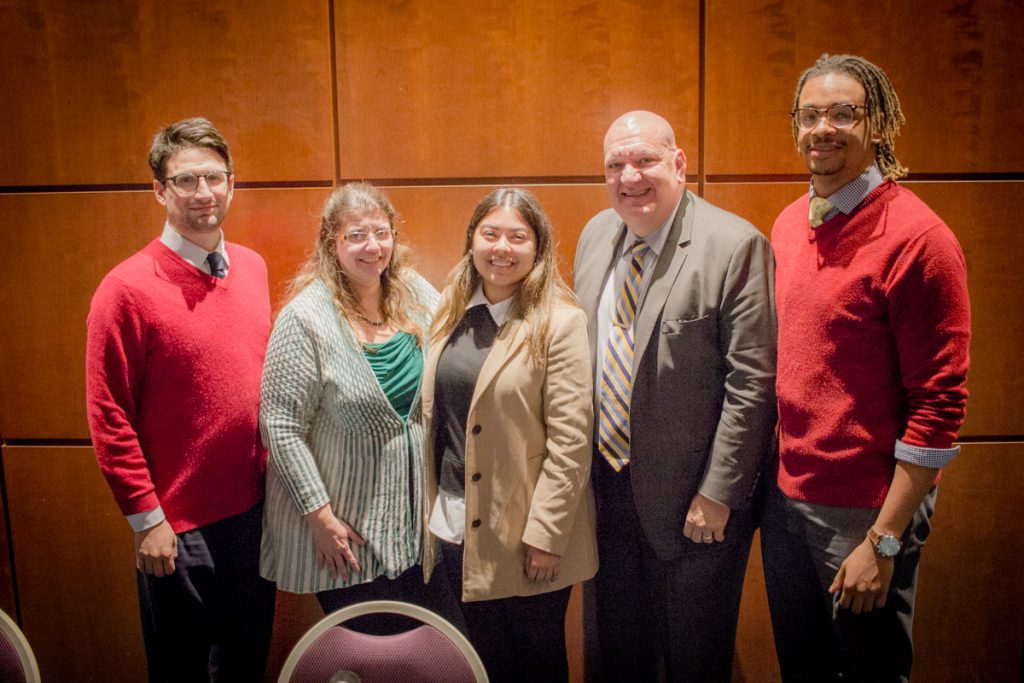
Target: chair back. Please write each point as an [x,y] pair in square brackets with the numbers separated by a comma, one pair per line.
[17,663]
[434,652]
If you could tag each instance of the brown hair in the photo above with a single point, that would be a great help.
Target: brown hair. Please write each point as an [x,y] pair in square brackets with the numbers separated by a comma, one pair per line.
[398,298]
[184,134]
[542,287]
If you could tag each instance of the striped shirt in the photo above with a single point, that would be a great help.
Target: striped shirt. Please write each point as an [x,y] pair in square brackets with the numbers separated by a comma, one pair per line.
[334,437]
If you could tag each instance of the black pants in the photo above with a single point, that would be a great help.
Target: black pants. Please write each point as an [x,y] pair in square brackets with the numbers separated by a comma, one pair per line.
[518,639]
[803,546]
[654,616]
[211,619]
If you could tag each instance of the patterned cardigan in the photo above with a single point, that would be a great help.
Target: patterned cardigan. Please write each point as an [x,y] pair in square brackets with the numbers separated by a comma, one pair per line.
[334,437]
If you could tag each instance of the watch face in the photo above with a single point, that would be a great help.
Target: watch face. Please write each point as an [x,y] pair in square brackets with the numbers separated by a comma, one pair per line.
[888,546]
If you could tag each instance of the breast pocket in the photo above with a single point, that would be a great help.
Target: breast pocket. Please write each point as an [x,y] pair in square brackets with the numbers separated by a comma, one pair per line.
[688,350]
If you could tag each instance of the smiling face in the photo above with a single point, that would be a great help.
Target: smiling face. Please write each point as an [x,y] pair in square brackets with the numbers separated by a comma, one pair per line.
[645,173]
[504,249]
[196,216]
[836,156]
[364,263]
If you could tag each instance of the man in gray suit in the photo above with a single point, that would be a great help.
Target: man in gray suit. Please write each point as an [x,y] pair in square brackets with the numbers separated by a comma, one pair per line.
[682,330]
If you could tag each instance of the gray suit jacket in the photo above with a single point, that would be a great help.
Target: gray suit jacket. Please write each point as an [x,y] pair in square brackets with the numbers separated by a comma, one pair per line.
[702,413]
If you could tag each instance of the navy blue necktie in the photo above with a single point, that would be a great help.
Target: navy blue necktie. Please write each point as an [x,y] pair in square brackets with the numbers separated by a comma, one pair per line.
[218,268]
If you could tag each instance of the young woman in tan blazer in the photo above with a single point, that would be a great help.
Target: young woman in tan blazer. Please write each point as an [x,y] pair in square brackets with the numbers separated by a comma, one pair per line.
[507,396]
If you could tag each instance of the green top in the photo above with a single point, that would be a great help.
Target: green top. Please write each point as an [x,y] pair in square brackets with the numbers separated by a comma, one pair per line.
[398,365]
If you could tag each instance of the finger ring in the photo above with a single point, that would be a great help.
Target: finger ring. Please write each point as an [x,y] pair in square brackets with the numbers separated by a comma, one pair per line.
[707,538]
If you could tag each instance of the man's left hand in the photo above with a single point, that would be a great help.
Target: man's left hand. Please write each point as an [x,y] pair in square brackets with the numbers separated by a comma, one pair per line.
[706,520]
[863,578]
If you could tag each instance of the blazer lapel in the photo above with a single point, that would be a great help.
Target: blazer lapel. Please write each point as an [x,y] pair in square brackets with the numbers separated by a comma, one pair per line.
[510,337]
[590,279]
[669,264]
[430,361]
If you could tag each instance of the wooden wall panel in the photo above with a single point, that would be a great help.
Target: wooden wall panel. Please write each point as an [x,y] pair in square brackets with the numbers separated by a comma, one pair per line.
[970,599]
[96,80]
[74,564]
[983,218]
[486,89]
[84,235]
[953,84]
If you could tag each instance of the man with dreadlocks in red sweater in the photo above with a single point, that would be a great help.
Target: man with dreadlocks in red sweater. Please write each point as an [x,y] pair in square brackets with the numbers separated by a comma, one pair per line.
[874,326]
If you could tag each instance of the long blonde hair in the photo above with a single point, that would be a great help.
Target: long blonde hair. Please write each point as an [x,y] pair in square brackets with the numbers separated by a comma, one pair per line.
[399,302]
[538,292]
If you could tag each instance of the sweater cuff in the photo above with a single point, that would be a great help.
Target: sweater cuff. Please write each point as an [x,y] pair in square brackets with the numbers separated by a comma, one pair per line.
[141,521]
[936,458]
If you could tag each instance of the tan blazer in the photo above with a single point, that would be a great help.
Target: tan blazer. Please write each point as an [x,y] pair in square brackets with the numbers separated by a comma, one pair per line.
[528,437]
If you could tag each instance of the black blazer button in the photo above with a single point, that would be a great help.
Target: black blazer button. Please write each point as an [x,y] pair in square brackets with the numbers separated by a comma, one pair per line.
[476,429]
[476,476]
[476,523]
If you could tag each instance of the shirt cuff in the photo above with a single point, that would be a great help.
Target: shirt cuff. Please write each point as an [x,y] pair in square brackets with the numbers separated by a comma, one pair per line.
[141,521]
[935,458]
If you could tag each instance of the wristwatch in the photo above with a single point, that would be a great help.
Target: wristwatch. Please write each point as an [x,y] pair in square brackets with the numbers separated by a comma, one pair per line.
[885,544]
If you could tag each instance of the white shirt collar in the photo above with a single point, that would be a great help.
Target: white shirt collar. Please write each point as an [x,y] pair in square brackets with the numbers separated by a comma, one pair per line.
[499,311]
[190,251]
[655,240]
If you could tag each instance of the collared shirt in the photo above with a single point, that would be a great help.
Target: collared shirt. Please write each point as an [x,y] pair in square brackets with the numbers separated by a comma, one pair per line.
[448,518]
[191,252]
[196,255]
[847,198]
[617,275]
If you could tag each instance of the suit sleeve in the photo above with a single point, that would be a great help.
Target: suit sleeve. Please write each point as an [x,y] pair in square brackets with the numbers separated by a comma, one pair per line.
[747,337]
[568,417]
[115,364]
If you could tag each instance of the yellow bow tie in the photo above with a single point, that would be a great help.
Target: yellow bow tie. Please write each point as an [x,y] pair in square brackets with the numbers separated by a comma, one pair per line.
[819,207]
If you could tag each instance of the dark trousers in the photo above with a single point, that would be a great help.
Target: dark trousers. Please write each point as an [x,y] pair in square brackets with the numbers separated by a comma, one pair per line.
[407,587]
[803,546]
[654,616]
[211,619]
[518,639]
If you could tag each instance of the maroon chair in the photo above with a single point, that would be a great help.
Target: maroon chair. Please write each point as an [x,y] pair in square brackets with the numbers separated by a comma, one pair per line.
[434,652]
[17,663]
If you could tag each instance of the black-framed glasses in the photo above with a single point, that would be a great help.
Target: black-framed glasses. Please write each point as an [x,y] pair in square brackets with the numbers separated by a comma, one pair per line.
[360,237]
[842,115]
[189,182]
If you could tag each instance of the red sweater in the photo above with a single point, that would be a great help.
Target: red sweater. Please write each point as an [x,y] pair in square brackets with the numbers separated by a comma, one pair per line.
[874,326]
[173,364]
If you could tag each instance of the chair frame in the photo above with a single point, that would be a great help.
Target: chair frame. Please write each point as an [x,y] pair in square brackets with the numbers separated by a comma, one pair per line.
[388,607]
[21,646]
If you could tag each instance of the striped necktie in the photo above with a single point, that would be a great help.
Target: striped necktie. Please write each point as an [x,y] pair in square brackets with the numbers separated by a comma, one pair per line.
[617,366]
[819,207]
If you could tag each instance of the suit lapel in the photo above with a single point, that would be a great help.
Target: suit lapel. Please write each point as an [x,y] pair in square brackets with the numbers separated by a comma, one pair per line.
[510,337]
[665,272]
[429,375]
[590,279]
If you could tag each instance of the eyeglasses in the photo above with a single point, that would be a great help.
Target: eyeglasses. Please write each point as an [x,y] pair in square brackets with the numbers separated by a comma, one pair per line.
[838,116]
[358,237]
[189,182]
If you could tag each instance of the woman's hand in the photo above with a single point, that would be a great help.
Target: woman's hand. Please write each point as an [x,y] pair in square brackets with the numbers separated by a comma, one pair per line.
[333,538]
[540,565]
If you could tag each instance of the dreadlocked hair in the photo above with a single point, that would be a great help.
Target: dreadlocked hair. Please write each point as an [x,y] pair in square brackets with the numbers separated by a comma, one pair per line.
[399,302]
[883,105]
